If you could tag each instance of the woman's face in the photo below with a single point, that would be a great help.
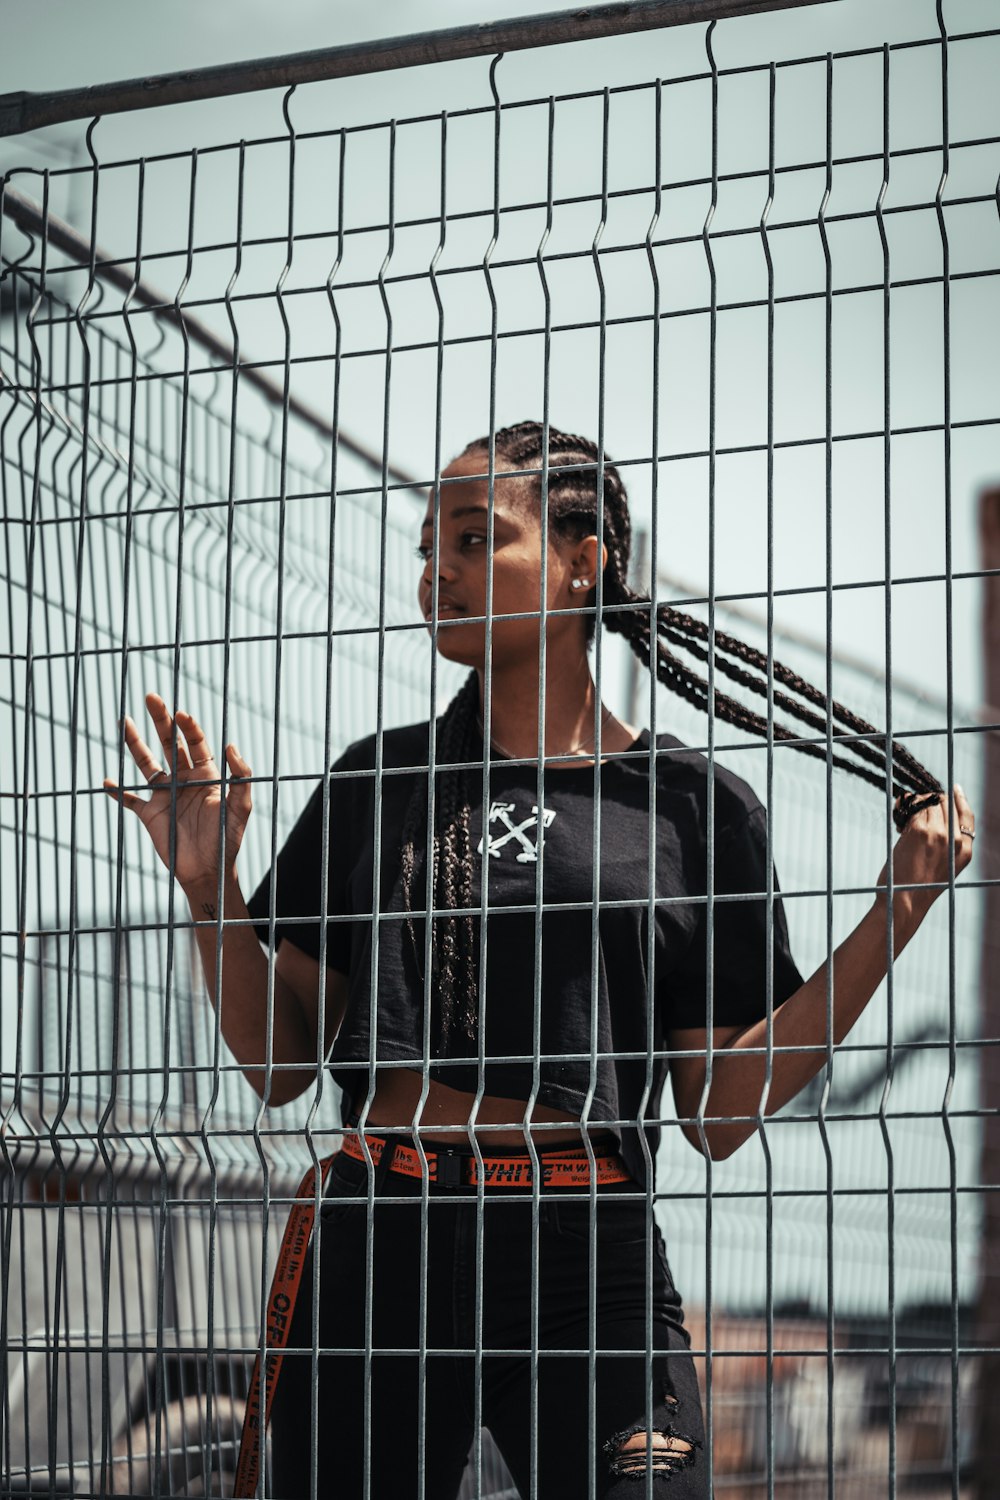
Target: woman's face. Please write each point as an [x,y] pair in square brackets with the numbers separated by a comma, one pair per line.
[462,550]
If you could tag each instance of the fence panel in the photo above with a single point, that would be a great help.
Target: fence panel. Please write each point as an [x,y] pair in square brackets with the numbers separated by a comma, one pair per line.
[231,372]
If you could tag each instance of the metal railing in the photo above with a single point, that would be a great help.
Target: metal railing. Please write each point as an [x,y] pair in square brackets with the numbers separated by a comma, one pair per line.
[210,489]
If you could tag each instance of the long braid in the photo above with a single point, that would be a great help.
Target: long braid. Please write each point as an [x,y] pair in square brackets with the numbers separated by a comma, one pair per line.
[675,675]
[907,767]
[574,508]
[452,886]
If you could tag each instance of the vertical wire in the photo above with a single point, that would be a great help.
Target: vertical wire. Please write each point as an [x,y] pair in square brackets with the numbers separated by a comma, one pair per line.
[595,918]
[30,512]
[287,362]
[58,654]
[28,711]
[262,1157]
[828,555]
[78,1314]
[182,1444]
[7,1193]
[72,991]
[227,630]
[96,709]
[321,1042]
[429,862]
[19,841]
[282,503]
[890,1164]
[651,772]
[710,779]
[769,800]
[108,436]
[139,944]
[123,387]
[43,678]
[377,829]
[950,742]
[536,999]
[477,1420]
[62,1030]
[65,656]
[117,953]
[163,1220]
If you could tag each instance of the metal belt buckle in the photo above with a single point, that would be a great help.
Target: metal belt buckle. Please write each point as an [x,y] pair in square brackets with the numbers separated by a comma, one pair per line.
[448,1169]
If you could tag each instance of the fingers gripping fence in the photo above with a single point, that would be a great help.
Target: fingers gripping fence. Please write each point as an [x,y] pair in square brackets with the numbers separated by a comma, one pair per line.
[748,263]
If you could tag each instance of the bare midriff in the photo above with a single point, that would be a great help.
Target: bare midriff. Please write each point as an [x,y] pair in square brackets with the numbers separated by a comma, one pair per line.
[446,1113]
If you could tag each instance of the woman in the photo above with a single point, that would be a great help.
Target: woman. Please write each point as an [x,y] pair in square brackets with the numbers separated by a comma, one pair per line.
[548,1044]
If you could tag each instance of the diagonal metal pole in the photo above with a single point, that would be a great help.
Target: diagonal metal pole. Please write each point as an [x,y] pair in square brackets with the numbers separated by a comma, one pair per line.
[33,220]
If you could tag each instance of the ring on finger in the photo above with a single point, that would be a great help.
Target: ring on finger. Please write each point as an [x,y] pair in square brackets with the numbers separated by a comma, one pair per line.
[970,833]
[156,776]
[206,761]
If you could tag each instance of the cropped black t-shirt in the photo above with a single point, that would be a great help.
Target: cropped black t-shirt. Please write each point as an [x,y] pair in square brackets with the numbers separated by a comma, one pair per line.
[606,996]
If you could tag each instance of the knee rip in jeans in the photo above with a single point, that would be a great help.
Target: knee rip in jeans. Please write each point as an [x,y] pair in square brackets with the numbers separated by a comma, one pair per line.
[664,1450]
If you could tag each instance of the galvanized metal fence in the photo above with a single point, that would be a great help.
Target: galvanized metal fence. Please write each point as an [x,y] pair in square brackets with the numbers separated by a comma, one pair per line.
[196,496]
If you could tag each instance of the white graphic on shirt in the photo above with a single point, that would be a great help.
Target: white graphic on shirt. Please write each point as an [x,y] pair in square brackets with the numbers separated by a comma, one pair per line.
[500,813]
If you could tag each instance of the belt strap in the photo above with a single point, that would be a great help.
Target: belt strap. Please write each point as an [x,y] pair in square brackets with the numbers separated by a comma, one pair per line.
[277,1321]
[459,1169]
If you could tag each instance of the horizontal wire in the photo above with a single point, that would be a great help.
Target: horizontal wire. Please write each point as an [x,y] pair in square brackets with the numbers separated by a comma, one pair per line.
[666,1053]
[695,310]
[666,242]
[789,893]
[685,456]
[540,101]
[385,1350]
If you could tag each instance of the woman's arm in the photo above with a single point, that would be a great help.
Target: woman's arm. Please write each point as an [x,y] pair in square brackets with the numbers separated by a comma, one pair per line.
[242,996]
[182,817]
[920,859]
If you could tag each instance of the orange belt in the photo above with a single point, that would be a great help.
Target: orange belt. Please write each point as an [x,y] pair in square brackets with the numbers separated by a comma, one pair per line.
[445,1168]
[460,1169]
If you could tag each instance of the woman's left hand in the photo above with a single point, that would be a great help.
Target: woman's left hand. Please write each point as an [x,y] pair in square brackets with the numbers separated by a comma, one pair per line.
[920,857]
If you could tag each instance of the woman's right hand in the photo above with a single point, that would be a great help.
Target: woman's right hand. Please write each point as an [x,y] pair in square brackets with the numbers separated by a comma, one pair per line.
[198,781]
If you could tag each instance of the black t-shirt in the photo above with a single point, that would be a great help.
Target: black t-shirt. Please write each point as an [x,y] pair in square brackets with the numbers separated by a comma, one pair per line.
[607,996]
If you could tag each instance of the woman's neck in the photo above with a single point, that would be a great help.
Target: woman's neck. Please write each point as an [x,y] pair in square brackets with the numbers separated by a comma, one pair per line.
[570,705]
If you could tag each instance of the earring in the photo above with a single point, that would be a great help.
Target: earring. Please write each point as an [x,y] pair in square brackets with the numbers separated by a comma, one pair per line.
[579,583]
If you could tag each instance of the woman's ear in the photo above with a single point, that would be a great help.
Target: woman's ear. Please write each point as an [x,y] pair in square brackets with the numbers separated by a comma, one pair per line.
[583,564]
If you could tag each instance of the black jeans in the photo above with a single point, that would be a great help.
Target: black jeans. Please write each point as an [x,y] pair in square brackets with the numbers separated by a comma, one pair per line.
[568,1447]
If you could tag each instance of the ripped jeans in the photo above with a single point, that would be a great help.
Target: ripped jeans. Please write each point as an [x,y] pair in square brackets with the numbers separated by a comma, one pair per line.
[631,1448]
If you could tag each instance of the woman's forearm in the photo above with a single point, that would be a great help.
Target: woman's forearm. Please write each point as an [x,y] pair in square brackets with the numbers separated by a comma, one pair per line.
[240,986]
[739,1071]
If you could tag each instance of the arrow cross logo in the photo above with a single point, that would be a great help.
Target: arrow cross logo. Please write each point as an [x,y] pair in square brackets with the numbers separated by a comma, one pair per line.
[500,812]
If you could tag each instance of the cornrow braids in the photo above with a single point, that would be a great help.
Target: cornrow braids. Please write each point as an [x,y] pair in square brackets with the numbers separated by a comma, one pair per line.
[572,465]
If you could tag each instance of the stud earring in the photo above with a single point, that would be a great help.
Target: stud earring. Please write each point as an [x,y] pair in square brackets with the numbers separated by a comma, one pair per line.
[579,583]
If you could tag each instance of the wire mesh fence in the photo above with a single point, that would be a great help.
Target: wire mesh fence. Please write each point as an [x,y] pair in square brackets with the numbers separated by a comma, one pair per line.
[762,282]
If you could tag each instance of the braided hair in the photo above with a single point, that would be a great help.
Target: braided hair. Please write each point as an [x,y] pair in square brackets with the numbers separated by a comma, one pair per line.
[656,635]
